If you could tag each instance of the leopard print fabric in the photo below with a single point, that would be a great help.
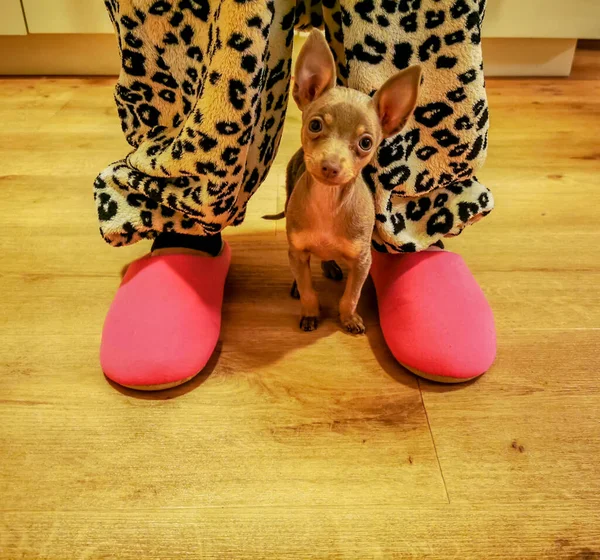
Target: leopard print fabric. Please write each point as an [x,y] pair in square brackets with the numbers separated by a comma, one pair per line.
[204,88]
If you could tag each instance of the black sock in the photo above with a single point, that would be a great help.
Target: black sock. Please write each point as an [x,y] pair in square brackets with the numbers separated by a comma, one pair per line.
[210,244]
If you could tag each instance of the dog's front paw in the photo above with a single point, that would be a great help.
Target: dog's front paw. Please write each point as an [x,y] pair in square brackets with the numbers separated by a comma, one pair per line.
[309,323]
[354,324]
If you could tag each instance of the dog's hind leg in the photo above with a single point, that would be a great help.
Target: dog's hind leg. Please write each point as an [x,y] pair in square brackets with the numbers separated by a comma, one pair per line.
[294,290]
[332,270]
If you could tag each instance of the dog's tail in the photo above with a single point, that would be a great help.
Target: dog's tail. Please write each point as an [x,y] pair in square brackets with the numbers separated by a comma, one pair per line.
[279,216]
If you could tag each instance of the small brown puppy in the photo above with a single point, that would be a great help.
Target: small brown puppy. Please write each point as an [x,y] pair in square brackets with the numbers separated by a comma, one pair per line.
[329,208]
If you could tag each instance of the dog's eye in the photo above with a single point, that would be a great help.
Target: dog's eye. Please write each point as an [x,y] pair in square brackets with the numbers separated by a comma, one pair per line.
[315,125]
[365,143]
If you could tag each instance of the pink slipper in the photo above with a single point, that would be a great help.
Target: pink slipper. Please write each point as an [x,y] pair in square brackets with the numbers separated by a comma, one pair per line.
[434,316]
[164,322]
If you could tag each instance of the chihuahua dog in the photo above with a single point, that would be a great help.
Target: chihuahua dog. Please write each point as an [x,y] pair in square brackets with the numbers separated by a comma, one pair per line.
[329,208]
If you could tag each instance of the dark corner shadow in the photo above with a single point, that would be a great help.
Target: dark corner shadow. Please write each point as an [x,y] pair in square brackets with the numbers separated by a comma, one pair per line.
[168,394]
[429,386]
[376,341]
[124,270]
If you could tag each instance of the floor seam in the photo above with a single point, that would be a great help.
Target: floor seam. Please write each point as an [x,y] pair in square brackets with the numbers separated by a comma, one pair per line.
[433,441]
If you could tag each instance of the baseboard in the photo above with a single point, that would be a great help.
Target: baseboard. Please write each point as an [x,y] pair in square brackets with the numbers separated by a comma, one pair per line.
[528,57]
[59,55]
[96,54]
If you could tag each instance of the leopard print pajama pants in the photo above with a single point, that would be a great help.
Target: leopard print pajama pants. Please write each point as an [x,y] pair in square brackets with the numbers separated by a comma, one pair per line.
[203,92]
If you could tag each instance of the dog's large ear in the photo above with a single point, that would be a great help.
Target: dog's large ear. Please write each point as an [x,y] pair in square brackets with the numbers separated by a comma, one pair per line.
[315,70]
[396,100]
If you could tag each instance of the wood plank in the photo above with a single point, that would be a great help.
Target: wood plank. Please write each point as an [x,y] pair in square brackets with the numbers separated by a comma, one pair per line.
[519,301]
[254,433]
[526,432]
[567,531]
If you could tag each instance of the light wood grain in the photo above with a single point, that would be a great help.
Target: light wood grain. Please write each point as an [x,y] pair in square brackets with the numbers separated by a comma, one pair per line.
[396,532]
[295,445]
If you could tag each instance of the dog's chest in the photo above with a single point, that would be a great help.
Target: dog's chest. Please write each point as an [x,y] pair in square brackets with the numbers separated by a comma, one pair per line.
[321,230]
[329,223]
[325,244]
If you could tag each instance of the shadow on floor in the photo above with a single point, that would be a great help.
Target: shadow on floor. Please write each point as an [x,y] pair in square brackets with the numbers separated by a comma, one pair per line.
[260,319]
[168,394]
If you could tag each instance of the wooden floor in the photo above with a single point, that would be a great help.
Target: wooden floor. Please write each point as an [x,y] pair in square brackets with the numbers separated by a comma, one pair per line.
[295,445]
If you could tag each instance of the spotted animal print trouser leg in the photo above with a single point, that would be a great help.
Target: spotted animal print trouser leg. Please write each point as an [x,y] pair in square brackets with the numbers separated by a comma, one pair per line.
[203,92]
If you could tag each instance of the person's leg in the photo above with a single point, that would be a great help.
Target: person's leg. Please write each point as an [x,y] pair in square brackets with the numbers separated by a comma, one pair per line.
[201,97]
[423,179]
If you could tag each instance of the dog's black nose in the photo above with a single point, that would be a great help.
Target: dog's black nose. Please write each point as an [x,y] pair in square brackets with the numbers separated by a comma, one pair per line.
[330,170]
